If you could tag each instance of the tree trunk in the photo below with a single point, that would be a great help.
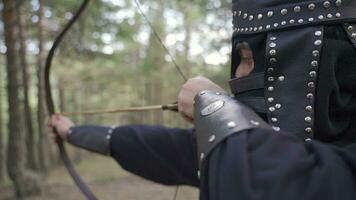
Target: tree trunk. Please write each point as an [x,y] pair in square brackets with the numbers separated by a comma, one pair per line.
[43,147]
[2,157]
[32,162]
[25,183]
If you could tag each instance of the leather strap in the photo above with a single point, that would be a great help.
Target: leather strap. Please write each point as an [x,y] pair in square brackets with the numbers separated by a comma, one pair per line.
[247,83]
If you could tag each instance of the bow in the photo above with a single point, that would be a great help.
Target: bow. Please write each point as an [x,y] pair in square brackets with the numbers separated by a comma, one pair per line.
[50,103]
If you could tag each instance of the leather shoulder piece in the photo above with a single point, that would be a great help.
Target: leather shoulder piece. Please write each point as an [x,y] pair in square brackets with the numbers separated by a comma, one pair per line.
[92,138]
[217,117]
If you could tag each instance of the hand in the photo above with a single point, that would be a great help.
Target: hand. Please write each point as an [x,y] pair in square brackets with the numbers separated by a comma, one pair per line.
[61,124]
[189,90]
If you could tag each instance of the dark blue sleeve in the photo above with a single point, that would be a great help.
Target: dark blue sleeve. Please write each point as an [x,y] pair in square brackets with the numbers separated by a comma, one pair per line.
[261,164]
[164,155]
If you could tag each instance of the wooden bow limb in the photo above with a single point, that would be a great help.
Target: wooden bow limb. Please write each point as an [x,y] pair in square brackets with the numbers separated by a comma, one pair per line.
[169,107]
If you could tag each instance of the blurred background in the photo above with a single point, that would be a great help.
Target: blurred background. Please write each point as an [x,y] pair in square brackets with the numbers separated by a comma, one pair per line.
[109,59]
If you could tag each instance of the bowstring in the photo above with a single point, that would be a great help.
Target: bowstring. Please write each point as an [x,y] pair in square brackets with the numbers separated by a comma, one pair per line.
[178,68]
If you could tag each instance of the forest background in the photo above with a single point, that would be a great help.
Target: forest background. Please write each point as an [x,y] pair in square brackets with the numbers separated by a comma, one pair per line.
[109,59]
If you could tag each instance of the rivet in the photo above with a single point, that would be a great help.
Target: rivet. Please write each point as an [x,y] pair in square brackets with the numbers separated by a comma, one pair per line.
[268,26]
[283,23]
[278,106]
[315,53]
[284,11]
[308,130]
[321,17]
[311,84]
[270,13]
[272,45]
[253,122]
[314,63]
[338,14]
[310,96]
[311,6]
[329,16]
[270,79]
[245,15]
[281,78]
[297,9]
[308,119]
[250,17]
[317,42]
[270,99]
[272,109]
[272,52]
[212,138]
[311,19]
[231,124]
[276,128]
[274,38]
[309,108]
[338,3]
[292,21]
[273,119]
[350,28]
[312,74]
[326,4]
[300,21]
[275,25]
[271,89]
[259,16]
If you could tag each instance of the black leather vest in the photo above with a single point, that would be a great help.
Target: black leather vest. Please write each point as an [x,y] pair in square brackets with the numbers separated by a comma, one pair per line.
[286,77]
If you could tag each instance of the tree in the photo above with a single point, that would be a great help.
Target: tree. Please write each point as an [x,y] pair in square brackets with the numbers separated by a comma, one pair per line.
[25,182]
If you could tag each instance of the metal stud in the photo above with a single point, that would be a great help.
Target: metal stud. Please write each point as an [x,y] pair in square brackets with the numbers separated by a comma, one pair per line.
[270,69]
[310,96]
[318,33]
[284,11]
[268,26]
[312,74]
[253,122]
[270,99]
[311,84]
[278,106]
[329,16]
[202,155]
[292,21]
[212,138]
[326,4]
[270,88]
[250,29]
[283,23]
[309,108]
[272,109]
[308,119]
[274,120]
[318,42]
[297,9]
[108,137]
[272,45]
[314,63]
[311,6]
[250,17]
[235,13]
[231,124]
[281,78]
[239,13]
[300,21]
[350,28]
[353,35]
[311,19]
[276,128]
[110,131]
[338,14]
[245,15]
[270,79]
[275,25]
[259,16]
[316,53]
[272,52]
[338,3]
[308,140]
[260,28]
[321,17]
[309,130]
[255,29]
[270,13]
[272,60]
[198,174]
[274,38]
